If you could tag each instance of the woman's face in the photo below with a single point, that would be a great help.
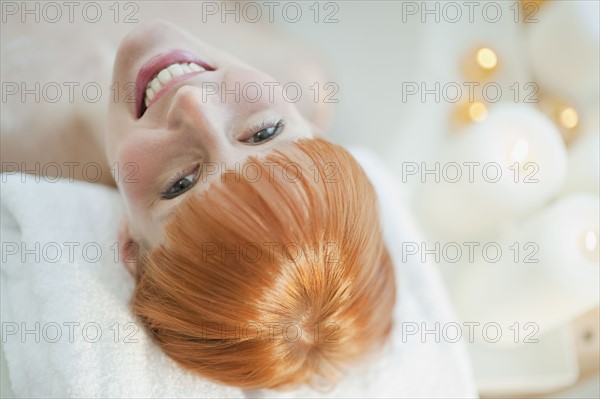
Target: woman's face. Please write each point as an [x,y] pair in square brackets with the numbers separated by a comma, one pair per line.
[205,113]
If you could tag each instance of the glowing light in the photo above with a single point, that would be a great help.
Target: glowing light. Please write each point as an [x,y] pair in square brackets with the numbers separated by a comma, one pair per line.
[568,118]
[477,111]
[519,151]
[486,59]
[589,245]
[469,112]
[591,241]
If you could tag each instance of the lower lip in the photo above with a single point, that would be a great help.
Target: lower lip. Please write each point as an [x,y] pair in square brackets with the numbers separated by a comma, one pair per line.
[158,63]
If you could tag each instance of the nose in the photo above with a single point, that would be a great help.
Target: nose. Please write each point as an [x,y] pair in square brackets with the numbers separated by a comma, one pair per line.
[194,112]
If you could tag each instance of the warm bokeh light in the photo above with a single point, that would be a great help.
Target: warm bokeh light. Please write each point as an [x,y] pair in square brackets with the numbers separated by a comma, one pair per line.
[563,113]
[568,118]
[480,64]
[470,112]
[477,111]
[486,59]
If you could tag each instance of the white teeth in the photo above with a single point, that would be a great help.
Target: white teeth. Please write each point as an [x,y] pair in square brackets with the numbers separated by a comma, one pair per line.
[150,93]
[175,70]
[165,76]
[155,85]
[195,67]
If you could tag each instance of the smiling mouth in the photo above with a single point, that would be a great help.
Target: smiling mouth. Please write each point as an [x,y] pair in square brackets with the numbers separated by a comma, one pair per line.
[162,72]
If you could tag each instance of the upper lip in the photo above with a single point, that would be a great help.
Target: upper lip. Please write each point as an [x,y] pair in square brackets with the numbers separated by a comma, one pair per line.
[155,65]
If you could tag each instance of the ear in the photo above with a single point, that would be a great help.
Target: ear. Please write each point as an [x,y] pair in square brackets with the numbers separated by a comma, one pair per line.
[129,250]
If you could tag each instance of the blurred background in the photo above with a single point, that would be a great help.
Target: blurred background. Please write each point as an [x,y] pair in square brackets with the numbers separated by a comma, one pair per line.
[488,115]
[514,87]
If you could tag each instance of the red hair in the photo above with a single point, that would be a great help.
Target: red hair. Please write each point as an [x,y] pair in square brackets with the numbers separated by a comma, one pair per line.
[274,276]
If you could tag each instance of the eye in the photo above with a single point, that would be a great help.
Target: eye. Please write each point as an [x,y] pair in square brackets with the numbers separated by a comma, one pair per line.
[264,133]
[180,185]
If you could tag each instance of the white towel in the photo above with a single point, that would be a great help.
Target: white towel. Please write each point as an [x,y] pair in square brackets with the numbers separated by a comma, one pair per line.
[73,290]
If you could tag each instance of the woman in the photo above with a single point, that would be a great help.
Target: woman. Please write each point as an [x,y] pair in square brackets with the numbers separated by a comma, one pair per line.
[255,244]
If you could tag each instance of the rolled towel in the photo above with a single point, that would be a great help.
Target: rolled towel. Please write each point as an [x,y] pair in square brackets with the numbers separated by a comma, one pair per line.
[67,330]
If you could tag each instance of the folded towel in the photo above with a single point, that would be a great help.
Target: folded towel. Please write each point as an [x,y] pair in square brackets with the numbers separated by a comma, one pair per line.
[67,330]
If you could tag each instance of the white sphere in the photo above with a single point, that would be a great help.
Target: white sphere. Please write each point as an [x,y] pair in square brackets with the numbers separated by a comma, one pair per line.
[519,163]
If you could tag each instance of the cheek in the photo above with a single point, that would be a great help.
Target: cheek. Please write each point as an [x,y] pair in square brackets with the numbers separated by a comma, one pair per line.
[136,166]
[137,170]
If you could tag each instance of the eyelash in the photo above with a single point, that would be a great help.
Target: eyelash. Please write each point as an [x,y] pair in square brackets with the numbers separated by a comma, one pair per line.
[278,125]
[175,179]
